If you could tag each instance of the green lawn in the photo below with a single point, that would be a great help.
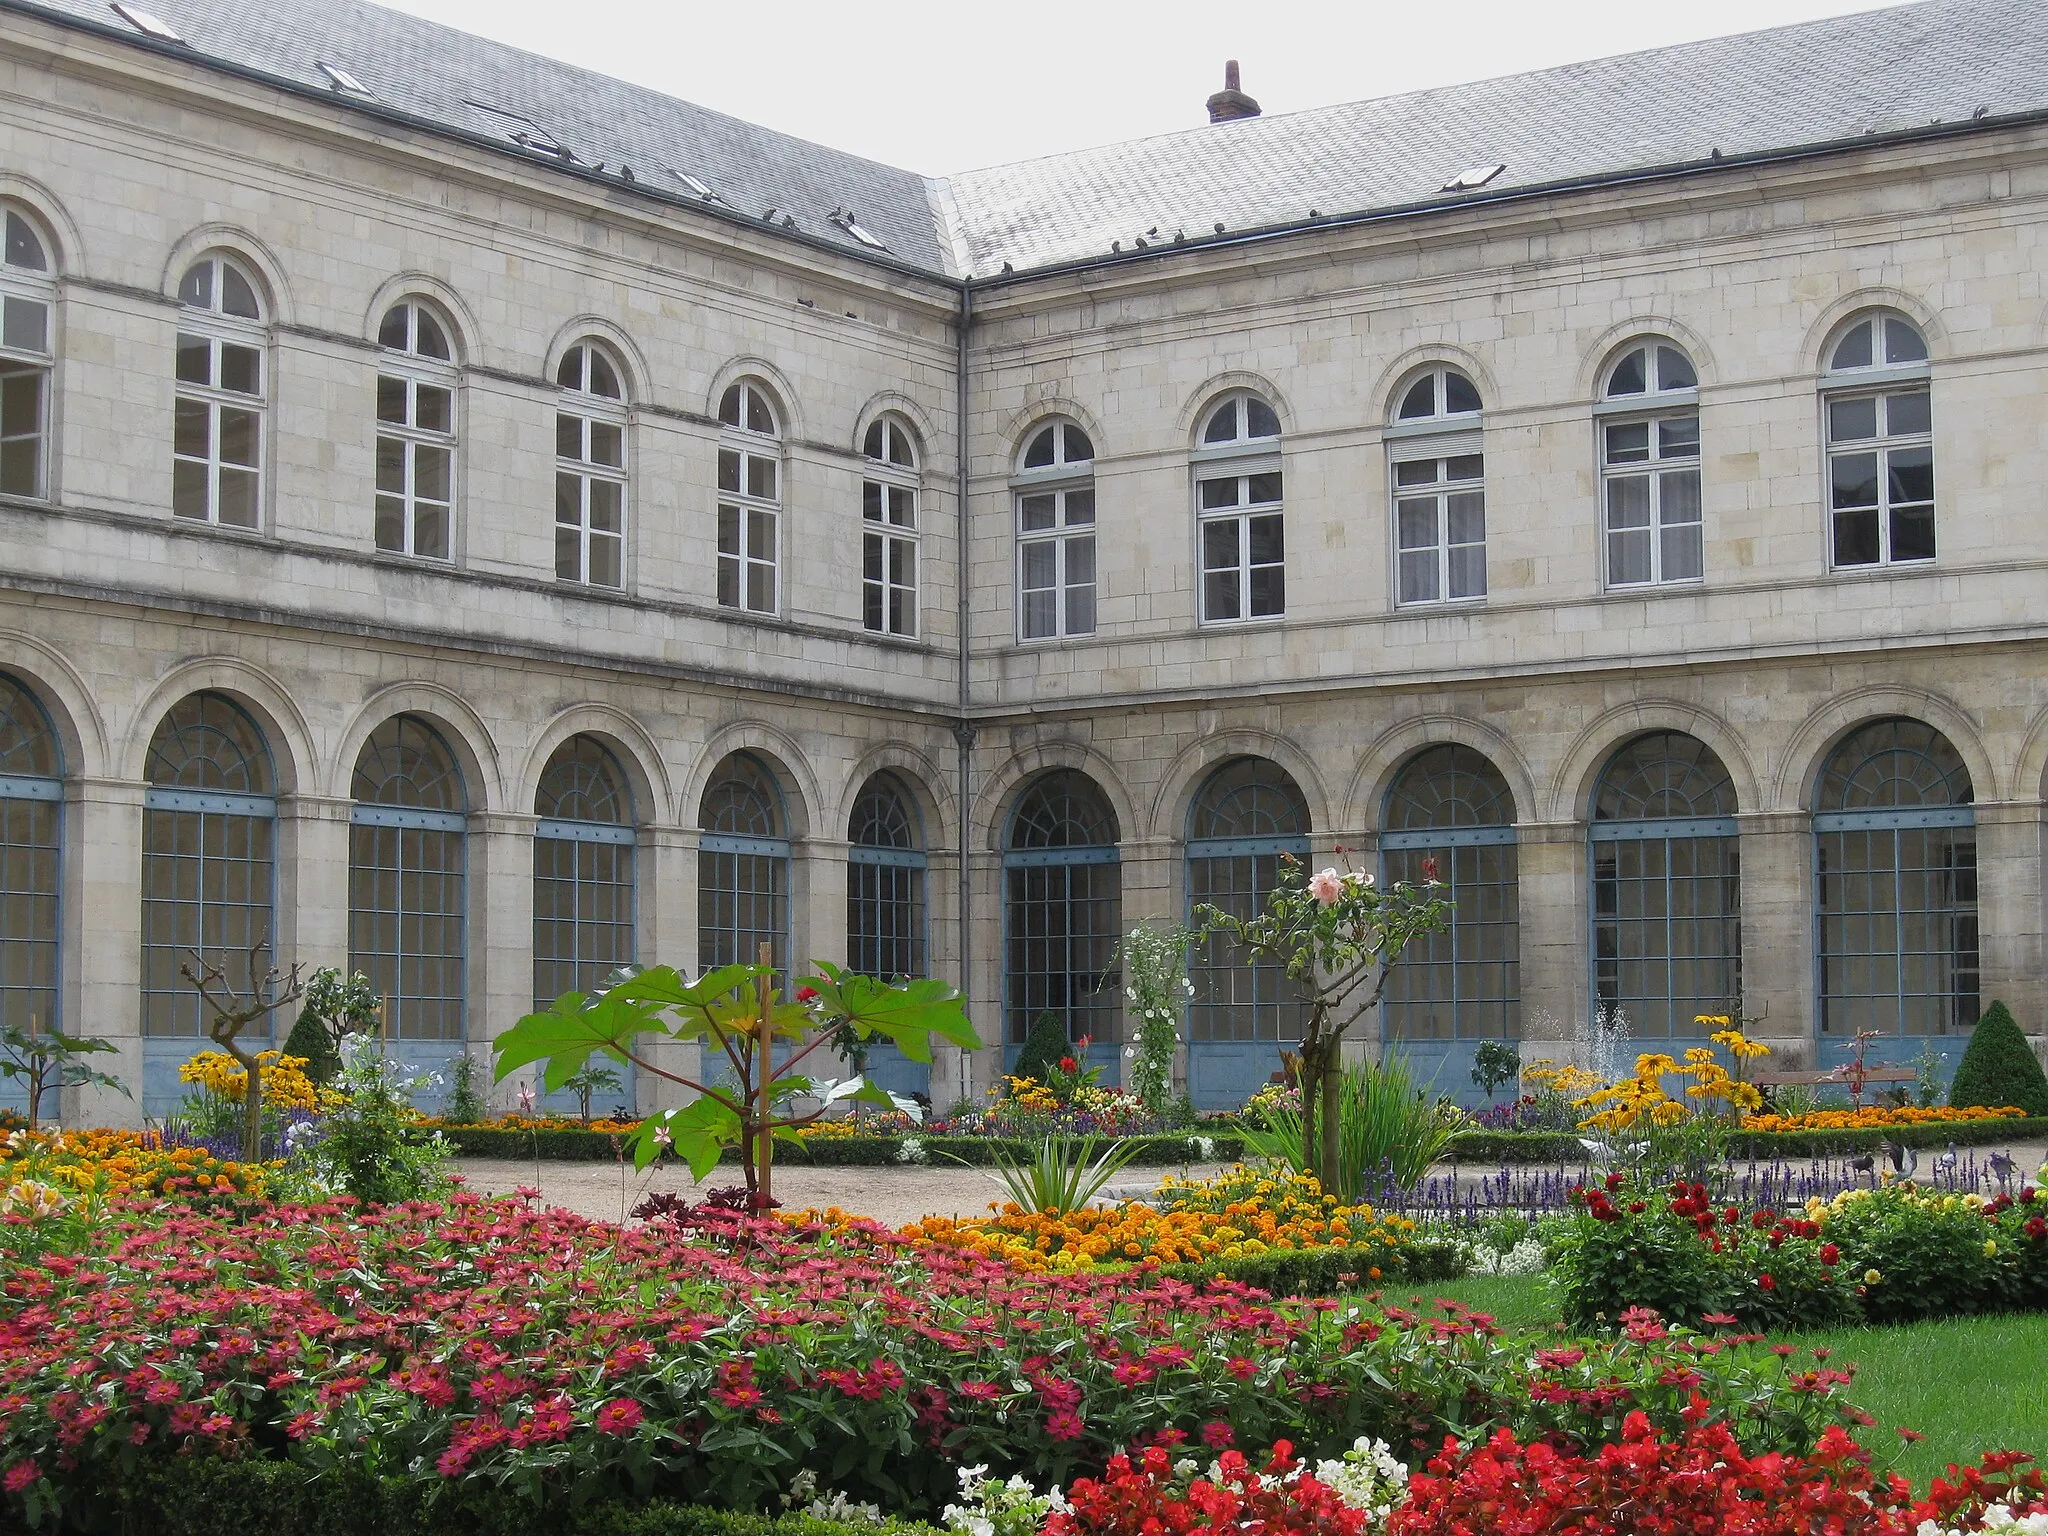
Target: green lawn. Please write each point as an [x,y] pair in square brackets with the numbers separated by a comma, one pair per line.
[1971,1384]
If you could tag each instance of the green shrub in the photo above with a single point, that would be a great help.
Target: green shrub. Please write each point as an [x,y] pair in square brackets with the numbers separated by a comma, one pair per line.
[1327,1271]
[1999,1067]
[313,1042]
[1043,1048]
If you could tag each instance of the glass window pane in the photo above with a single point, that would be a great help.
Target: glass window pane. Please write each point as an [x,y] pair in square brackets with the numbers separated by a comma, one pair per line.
[436,408]
[1264,489]
[1683,560]
[761,476]
[1902,343]
[238,436]
[1420,401]
[1856,538]
[568,436]
[1079,507]
[1417,471]
[192,428]
[1220,545]
[1906,415]
[1854,478]
[1220,493]
[1460,394]
[1628,376]
[1628,442]
[1628,503]
[430,472]
[241,369]
[1912,474]
[391,399]
[1465,466]
[1678,437]
[195,356]
[1416,523]
[1418,577]
[1628,557]
[1675,370]
[238,498]
[430,530]
[189,489]
[1852,420]
[1853,351]
[1913,534]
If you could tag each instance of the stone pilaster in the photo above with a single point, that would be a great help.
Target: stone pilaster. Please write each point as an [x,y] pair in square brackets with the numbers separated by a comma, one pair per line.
[1777,933]
[102,952]
[2009,916]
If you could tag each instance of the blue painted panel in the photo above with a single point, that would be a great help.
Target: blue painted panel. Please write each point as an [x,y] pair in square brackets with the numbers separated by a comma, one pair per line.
[888,1066]
[1222,1074]
[604,1101]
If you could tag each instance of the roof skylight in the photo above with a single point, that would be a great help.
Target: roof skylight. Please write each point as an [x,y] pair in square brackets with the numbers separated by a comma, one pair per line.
[341,79]
[853,226]
[1477,176]
[147,24]
[695,186]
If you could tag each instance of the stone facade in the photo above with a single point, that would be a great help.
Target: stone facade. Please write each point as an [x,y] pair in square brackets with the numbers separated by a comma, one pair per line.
[131,167]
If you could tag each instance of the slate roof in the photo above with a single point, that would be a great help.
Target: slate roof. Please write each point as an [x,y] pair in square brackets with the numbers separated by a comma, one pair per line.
[1789,87]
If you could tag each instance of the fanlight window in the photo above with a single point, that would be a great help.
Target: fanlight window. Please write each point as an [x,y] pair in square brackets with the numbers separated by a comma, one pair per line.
[1439,392]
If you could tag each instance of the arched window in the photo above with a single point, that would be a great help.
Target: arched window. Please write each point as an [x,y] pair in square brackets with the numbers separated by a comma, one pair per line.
[31,840]
[888,509]
[749,499]
[1880,431]
[407,862]
[1649,424]
[415,433]
[583,871]
[1895,862]
[885,882]
[1241,528]
[1248,815]
[1062,909]
[217,447]
[209,834]
[1054,487]
[742,866]
[1450,817]
[590,469]
[28,298]
[1435,453]
[1667,907]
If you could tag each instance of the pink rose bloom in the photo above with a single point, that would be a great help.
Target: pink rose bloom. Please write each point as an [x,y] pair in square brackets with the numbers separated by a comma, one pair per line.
[1325,886]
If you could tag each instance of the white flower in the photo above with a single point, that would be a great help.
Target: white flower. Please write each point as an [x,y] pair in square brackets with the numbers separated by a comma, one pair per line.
[1326,886]
[910,1150]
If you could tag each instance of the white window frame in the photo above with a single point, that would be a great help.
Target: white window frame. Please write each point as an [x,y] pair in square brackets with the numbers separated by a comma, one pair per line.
[415,371]
[1881,381]
[891,547]
[750,549]
[593,418]
[1248,463]
[23,291]
[1650,407]
[211,327]
[1065,488]
[1446,438]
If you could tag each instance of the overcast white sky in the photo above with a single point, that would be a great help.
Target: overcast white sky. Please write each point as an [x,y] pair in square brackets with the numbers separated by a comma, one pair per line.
[939,87]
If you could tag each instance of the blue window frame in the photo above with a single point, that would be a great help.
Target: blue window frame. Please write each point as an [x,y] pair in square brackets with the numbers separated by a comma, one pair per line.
[584,873]
[408,892]
[1666,878]
[885,882]
[1895,876]
[1062,909]
[31,852]
[1247,817]
[1450,817]
[209,872]
[742,866]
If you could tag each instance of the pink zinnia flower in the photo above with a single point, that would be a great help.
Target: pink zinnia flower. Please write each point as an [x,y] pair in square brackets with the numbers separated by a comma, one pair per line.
[21,1474]
[619,1416]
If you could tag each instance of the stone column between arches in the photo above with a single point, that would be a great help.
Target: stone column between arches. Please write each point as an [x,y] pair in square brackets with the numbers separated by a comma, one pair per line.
[1776,849]
[102,942]
[1555,963]
[667,935]
[500,940]
[2010,951]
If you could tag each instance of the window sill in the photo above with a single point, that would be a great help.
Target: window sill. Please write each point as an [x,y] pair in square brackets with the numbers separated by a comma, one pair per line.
[1673,587]
[1263,621]
[1422,608]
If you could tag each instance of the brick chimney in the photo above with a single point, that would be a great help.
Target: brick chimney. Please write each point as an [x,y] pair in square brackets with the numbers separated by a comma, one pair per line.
[1231,103]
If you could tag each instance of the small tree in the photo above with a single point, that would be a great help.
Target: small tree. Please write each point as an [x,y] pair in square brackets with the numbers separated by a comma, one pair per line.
[1495,1064]
[1999,1067]
[1336,936]
[1043,1047]
[587,1082]
[736,1014]
[44,1059]
[234,1011]
[335,1007]
[1156,985]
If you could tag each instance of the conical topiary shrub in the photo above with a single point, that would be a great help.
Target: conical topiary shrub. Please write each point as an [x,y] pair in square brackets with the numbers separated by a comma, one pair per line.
[2000,1067]
[311,1039]
[1043,1047]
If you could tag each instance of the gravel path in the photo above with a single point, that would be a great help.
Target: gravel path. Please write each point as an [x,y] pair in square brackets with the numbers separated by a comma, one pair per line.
[893,1196]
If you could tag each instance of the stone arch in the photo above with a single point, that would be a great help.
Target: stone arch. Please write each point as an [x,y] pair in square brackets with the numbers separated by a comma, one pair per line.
[630,743]
[232,240]
[992,805]
[468,738]
[1381,763]
[779,387]
[1595,360]
[783,758]
[2031,772]
[1386,393]
[1813,350]
[58,687]
[1025,420]
[616,340]
[1188,772]
[67,257]
[466,335]
[1222,384]
[925,781]
[266,699]
[1571,790]
[890,402]
[1823,730]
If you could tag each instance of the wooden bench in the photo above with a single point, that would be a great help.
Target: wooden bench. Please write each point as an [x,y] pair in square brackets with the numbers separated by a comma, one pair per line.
[1839,1075]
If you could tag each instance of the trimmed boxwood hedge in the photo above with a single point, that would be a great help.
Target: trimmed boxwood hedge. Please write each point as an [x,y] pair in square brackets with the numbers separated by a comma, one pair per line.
[203,1497]
[1324,1271]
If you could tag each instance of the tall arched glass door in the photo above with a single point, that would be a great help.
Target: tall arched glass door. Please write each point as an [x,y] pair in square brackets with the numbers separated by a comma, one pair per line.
[885,882]
[31,842]
[1450,817]
[1895,865]
[583,871]
[742,866]
[407,907]
[1062,910]
[1667,898]
[209,828]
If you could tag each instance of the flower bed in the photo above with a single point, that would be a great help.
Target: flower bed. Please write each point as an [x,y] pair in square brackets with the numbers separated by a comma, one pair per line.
[485,1344]
[42,1171]
[573,1143]
[1873,1118]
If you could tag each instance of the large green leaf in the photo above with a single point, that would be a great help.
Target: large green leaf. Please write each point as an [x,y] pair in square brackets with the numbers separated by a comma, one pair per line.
[700,1132]
[908,1013]
[566,1034]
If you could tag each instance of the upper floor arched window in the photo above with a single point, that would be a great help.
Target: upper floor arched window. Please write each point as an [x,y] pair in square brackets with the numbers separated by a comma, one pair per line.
[1054,489]
[1880,442]
[217,446]
[889,533]
[1438,468]
[749,498]
[415,433]
[28,300]
[1649,426]
[590,468]
[1240,525]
